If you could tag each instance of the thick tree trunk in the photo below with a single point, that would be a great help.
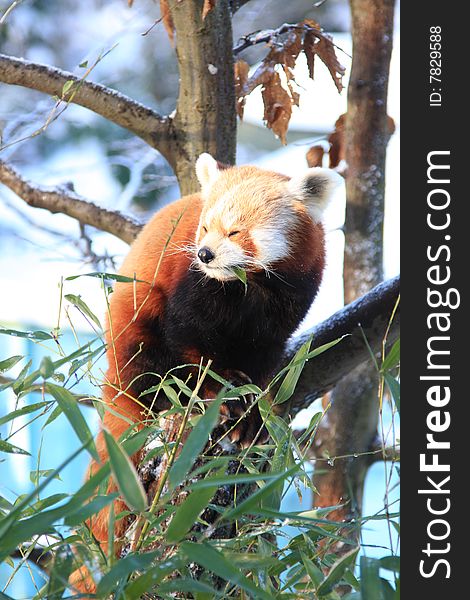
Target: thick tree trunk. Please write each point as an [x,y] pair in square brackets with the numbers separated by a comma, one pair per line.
[205,119]
[367,135]
[351,424]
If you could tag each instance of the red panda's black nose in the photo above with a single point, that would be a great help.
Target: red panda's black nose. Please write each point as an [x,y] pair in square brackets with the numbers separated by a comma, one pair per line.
[206,255]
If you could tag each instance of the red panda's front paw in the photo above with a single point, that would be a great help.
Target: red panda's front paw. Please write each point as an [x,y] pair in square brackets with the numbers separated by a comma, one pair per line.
[242,421]
[249,430]
[240,416]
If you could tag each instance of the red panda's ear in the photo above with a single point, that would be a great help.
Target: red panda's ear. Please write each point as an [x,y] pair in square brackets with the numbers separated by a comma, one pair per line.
[207,170]
[315,189]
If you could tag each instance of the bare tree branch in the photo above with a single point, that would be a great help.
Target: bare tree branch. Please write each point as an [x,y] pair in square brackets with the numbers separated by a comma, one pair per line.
[114,106]
[67,202]
[376,454]
[266,36]
[367,317]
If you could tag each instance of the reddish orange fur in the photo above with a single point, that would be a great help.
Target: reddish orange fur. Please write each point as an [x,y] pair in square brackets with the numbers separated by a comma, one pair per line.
[149,296]
[159,242]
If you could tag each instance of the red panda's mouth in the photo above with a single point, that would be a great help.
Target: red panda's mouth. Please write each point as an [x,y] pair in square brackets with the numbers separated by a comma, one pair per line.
[219,273]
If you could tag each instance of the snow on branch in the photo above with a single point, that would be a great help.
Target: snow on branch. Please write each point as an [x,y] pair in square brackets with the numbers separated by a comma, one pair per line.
[114,106]
[66,201]
[368,317]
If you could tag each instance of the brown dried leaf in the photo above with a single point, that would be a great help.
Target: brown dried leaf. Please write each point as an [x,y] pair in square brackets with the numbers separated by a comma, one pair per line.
[167,19]
[288,53]
[277,106]
[321,44]
[309,39]
[278,99]
[241,77]
[336,139]
[326,51]
[315,156]
[295,96]
[280,54]
[208,6]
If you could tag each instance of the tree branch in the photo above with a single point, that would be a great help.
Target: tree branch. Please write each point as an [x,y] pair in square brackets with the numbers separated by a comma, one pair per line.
[266,36]
[114,106]
[67,202]
[368,317]
[377,453]
[237,4]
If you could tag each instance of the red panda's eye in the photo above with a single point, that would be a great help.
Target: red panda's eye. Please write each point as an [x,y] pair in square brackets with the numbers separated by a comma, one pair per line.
[232,233]
[204,229]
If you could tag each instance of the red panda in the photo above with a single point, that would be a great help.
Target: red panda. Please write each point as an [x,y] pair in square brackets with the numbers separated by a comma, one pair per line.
[187,302]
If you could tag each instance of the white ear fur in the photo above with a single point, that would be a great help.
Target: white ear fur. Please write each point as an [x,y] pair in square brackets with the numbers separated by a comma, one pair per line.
[315,189]
[207,170]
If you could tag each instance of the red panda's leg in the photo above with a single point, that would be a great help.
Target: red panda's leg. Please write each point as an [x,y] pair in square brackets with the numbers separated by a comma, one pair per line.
[240,415]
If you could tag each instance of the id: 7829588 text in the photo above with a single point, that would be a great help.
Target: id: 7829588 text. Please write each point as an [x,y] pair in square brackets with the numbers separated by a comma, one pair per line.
[435,65]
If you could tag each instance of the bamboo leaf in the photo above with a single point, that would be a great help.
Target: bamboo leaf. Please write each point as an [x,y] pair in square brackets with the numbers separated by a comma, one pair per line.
[254,501]
[240,274]
[8,363]
[112,276]
[30,335]
[394,387]
[287,387]
[213,560]
[70,408]
[125,475]
[220,480]
[46,368]
[313,571]
[121,571]
[60,573]
[393,357]
[187,513]
[193,446]
[371,587]
[91,508]
[391,563]
[150,578]
[14,531]
[188,585]
[66,87]
[83,308]
[11,449]
[336,572]
[22,411]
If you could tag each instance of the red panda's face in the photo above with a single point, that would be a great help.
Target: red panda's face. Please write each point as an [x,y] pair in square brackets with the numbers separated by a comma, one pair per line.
[250,216]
